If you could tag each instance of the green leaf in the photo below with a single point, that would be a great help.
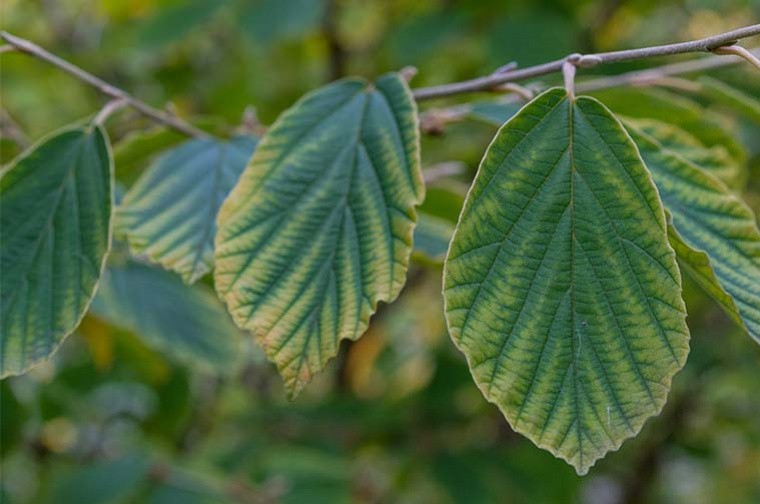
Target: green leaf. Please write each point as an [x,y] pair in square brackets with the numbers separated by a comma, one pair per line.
[715,160]
[432,236]
[272,21]
[55,215]
[560,286]
[668,107]
[187,322]
[104,482]
[713,232]
[731,98]
[319,228]
[169,215]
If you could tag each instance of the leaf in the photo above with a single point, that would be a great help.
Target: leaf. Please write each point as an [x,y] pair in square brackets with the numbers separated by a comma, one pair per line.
[671,108]
[731,98]
[169,215]
[715,160]
[431,237]
[272,21]
[104,482]
[713,232]
[319,228]
[186,322]
[560,286]
[55,215]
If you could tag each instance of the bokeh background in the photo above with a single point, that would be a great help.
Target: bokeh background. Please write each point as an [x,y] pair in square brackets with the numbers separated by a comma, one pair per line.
[396,417]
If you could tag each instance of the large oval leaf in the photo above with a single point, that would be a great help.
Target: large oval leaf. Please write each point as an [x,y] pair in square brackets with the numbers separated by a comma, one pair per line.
[169,215]
[319,228]
[560,286]
[186,322]
[55,215]
[713,232]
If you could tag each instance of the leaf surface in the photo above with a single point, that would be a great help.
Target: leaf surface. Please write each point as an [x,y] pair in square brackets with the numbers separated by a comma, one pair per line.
[560,286]
[187,322]
[713,232]
[319,228]
[169,215]
[55,215]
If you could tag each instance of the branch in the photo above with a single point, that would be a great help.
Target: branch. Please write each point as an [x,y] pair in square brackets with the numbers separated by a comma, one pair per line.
[27,47]
[494,80]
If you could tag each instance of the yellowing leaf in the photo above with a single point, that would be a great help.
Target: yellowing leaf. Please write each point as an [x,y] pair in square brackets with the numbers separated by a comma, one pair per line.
[169,215]
[560,286]
[713,232]
[319,228]
[55,216]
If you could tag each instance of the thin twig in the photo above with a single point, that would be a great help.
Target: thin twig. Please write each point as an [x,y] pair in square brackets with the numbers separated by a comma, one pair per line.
[738,50]
[9,128]
[489,82]
[27,47]
[109,108]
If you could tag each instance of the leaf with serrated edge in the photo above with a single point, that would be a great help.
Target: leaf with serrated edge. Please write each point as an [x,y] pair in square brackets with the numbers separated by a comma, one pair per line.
[55,215]
[713,232]
[560,286]
[319,228]
[187,322]
[715,159]
[169,215]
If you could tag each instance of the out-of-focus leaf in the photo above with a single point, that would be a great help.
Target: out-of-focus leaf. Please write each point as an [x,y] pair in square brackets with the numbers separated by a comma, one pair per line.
[671,108]
[169,215]
[173,23]
[712,230]
[715,159]
[565,297]
[493,112]
[55,216]
[431,237]
[12,418]
[319,228]
[444,200]
[272,21]
[107,482]
[136,150]
[417,37]
[733,99]
[183,321]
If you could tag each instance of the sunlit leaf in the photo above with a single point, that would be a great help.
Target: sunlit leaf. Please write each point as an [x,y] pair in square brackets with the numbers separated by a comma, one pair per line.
[187,322]
[731,98]
[169,215]
[560,286]
[319,228]
[55,215]
[713,232]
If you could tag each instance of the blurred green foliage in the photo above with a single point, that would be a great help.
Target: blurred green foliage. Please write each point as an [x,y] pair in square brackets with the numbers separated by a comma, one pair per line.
[397,418]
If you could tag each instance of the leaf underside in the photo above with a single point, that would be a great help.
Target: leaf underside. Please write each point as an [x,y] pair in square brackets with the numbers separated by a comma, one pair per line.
[560,286]
[187,322]
[319,228]
[713,232]
[169,215]
[55,215]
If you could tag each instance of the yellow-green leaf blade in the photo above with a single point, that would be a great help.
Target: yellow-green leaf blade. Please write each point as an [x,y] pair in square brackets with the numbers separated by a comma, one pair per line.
[169,215]
[560,286]
[714,233]
[319,228]
[55,213]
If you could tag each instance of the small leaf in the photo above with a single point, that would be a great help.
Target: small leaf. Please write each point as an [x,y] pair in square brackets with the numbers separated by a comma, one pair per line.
[668,107]
[560,286]
[713,232]
[715,159]
[319,228]
[187,322]
[731,98]
[55,215]
[169,215]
